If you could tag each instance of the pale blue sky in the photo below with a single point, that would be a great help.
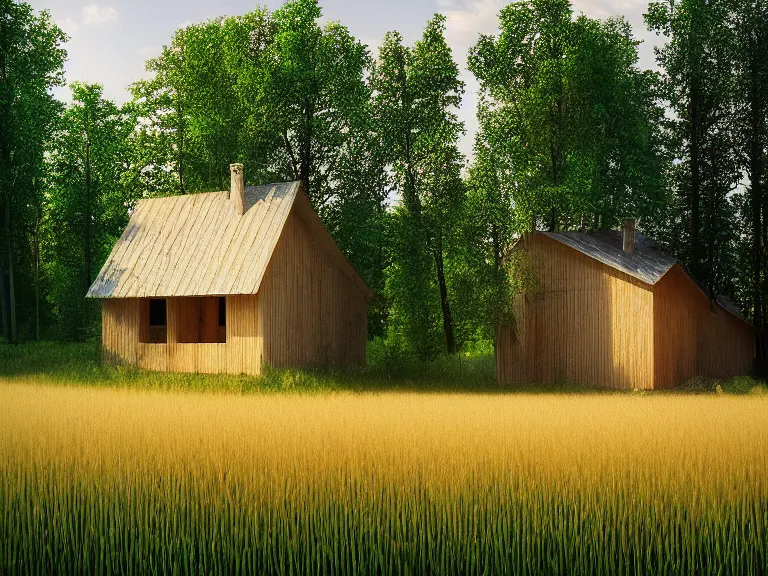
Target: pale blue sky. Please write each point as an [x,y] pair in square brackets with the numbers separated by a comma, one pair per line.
[111,39]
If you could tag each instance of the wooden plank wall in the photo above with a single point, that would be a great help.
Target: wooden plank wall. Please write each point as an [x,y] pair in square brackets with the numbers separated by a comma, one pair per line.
[585,323]
[121,325]
[678,303]
[245,334]
[314,314]
[588,323]
[120,330]
[694,337]
[726,346]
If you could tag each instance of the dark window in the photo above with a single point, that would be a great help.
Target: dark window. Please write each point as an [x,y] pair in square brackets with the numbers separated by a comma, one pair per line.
[222,311]
[156,327]
[222,335]
[158,313]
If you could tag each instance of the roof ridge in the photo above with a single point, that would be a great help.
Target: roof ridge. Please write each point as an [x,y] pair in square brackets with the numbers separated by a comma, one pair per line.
[646,263]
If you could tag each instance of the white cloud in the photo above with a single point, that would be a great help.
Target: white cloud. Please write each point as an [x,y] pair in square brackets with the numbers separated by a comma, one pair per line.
[466,20]
[69,26]
[95,14]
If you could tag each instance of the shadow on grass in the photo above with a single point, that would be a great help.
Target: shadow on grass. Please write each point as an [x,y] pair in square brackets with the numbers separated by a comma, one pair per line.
[79,364]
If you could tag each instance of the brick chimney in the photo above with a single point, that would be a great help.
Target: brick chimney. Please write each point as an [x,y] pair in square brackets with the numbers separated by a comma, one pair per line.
[628,235]
[237,192]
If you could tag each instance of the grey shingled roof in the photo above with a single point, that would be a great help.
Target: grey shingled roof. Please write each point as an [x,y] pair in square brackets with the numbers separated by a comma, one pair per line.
[647,263]
[730,306]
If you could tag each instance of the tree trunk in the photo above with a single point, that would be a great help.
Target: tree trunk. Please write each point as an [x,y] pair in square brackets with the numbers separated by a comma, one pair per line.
[6,303]
[9,292]
[450,343]
[498,279]
[37,275]
[88,216]
[410,191]
[180,114]
[496,241]
[556,154]
[305,162]
[756,169]
[11,283]
[695,199]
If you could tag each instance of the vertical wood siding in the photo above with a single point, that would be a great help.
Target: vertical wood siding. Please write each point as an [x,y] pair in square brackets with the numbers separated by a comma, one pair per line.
[314,314]
[245,335]
[677,307]
[694,337]
[308,312]
[589,323]
[122,345]
[120,330]
[726,346]
[585,323]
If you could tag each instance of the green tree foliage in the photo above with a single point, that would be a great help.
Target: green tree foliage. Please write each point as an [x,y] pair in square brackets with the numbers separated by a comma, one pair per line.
[312,82]
[285,96]
[571,119]
[572,134]
[751,139]
[31,61]
[192,122]
[488,231]
[698,85]
[416,93]
[569,138]
[85,207]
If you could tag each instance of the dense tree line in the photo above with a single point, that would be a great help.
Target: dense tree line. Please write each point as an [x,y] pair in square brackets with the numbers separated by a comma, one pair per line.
[573,134]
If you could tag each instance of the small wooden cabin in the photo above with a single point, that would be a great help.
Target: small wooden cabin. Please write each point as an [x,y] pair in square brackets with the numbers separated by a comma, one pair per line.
[609,309]
[230,282]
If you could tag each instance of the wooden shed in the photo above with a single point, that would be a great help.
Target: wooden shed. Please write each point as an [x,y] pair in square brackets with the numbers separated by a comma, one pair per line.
[230,282]
[609,309]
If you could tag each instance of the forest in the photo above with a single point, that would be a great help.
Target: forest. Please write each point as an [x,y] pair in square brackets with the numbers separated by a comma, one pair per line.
[573,134]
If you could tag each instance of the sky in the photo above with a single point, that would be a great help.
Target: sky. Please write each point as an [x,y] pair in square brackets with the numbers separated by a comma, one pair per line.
[111,39]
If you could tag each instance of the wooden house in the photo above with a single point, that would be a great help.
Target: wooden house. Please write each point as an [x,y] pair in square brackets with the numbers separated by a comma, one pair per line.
[230,282]
[609,309]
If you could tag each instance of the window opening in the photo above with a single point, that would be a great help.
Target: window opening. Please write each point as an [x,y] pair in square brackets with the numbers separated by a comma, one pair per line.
[157,321]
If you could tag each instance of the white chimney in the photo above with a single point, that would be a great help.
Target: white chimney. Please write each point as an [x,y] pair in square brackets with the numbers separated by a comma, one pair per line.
[237,192]
[628,235]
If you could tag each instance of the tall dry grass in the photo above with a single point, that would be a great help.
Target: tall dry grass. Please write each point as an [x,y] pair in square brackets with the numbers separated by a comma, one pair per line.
[103,482]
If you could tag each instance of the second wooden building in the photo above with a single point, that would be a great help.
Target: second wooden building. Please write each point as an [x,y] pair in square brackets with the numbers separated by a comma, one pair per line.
[608,309]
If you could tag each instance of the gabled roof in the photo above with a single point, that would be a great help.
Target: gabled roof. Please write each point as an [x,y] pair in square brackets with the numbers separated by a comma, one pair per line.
[646,263]
[730,306]
[195,245]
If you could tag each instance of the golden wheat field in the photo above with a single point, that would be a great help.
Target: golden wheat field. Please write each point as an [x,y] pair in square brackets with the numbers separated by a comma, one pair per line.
[111,482]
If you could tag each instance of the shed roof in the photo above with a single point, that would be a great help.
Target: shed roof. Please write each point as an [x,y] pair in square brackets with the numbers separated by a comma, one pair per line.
[647,262]
[196,245]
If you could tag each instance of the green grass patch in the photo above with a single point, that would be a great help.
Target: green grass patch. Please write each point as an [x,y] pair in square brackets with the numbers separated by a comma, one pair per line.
[79,364]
